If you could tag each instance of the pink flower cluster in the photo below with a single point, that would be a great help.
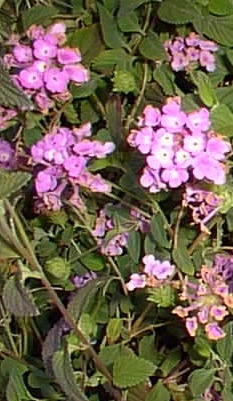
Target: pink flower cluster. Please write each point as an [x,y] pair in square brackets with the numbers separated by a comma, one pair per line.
[154,273]
[191,51]
[209,300]
[63,156]
[203,204]
[178,147]
[113,244]
[45,66]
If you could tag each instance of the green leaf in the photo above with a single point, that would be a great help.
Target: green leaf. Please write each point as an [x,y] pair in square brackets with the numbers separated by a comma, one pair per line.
[109,354]
[113,118]
[51,344]
[17,299]
[111,35]
[64,376]
[113,329]
[80,302]
[223,7]
[200,380]
[205,90]
[158,393]
[216,28]
[183,260]
[134,245]
[130,5]
[222,120]
[229,53]
[151,47]
[163,296]
[70,113]
[166,79]
[129,22]
[225,96]
[85,90]
[158,231]
[38,15]
[172,359]
[89,42]
[6,250]
[130,370]
[11,182]
[225,345]
[93,262]
[110,58]
[178,11]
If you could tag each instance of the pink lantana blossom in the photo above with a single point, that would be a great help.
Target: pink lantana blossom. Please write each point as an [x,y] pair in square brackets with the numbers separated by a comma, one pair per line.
[175,176]
[77,73]
[67,55]
[56,80]
[30,78]
[44,50]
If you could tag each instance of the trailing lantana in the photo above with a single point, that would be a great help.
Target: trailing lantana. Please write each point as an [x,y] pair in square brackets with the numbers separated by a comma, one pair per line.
[43,66]
[209,299]
[190,52]
[179,147]
[61,159]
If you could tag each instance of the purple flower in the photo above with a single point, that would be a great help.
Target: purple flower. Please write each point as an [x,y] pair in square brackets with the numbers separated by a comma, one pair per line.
[191,326]
[179,61]
[6,155]
[67,55]
[56,80]
[160,270]
[30,78]
[173,121]
[198,121]
[74,165]
[152,116]
[81,281]
[194,144]
[162,158]
[206,167]
[45,180]
[77,73]
[22,53]
[44,49]
[217,148]
[207,60]
[214,332]
[175,176]
[136,281]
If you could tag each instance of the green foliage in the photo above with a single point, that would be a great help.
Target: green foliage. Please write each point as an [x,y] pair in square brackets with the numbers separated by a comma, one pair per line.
[130,370]
[17,299]
[11,182]
[65,376]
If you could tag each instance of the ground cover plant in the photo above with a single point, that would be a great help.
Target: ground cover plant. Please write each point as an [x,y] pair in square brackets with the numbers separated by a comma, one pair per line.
[116,200]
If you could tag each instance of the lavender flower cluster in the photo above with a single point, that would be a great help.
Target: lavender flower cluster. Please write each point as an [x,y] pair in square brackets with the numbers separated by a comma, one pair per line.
[45,66]
[179,147]
[155,272]
[209,300]
[190,51]
[105,225]
[61,160]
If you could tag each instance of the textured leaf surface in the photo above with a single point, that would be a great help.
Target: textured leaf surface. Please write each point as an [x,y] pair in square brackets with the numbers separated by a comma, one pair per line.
[51,344]
[17,299]
[11,182]
[38,15]
[65,376]
[79,303]
[216,28]
[183,260]
[111,35]
[200,380]
[222,120]
[178,11]
[225,345]
[130,370]
[159,392]
[151,47]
